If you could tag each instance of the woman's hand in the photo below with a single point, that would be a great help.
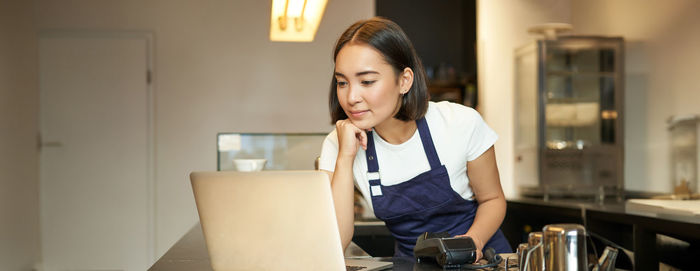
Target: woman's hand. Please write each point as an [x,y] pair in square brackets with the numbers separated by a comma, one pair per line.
[350,138]
[479,245]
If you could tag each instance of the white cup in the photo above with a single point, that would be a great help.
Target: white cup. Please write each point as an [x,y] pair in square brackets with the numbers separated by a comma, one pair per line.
[249,164]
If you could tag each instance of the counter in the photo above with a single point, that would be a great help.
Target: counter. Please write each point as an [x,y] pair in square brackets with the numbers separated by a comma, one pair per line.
[190,254]
[610,222]
[636,232]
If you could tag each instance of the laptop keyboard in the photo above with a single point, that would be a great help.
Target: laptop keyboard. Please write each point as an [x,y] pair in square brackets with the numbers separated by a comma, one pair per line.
[353,268]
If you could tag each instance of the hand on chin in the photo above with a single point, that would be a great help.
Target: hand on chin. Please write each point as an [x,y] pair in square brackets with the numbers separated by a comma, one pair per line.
[364,125]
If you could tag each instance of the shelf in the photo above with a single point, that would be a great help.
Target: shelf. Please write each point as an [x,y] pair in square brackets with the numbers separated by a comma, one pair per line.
[578,73]
[572,100]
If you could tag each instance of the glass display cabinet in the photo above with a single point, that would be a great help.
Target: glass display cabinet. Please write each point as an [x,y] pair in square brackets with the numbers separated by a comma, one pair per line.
[282,151]
[685,149]
[569,117]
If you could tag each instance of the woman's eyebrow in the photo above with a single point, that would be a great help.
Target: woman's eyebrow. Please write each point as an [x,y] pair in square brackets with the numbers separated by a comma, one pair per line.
[356,74]
[366,72]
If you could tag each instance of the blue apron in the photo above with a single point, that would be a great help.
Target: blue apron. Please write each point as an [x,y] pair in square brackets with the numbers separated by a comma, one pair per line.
[426,203]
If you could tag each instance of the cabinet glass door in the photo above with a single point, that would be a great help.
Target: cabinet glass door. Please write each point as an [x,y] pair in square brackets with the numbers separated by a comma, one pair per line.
[579,85]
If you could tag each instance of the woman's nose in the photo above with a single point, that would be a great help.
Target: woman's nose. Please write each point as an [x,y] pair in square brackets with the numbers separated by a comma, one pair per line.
[354,95]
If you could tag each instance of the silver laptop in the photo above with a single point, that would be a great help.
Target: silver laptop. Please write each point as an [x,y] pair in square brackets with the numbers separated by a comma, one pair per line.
[271,220]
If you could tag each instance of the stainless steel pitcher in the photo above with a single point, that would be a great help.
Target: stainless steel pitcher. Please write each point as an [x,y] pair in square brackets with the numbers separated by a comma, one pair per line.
[537,255]
[607,260]
[522,253]
[565,247]
[561,247]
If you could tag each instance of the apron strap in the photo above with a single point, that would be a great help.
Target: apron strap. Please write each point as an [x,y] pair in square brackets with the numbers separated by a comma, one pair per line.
[428,145]
[372,163]
[426,139]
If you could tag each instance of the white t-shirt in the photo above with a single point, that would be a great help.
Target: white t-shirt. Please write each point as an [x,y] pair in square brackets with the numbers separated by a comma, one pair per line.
[459,134]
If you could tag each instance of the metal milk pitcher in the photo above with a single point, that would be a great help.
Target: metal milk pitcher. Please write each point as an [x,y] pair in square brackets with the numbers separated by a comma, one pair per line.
[607,260]
[565,247]
[530,254]
[534,241]
[522,253]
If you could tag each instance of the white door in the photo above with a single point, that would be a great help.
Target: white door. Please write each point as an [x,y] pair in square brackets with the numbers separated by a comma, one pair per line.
[95,161]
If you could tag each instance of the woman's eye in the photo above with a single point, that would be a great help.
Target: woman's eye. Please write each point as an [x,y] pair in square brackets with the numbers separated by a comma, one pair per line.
[368,82]
[341,84]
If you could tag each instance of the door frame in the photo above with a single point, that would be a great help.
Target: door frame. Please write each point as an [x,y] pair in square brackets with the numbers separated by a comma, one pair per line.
[149,37]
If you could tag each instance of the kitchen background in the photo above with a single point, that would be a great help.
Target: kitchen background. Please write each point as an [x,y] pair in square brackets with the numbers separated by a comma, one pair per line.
[214,70]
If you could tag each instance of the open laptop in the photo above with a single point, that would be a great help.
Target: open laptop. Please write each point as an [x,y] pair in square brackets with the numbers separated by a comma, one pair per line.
[271,220]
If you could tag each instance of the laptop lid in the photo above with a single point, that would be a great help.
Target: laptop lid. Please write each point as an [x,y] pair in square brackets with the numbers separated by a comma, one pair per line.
[268,220]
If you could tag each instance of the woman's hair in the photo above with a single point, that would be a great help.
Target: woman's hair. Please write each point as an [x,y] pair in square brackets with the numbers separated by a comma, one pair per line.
[386,37]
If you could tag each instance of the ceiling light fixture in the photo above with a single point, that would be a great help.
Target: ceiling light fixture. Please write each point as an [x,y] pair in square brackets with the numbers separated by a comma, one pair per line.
[296,20]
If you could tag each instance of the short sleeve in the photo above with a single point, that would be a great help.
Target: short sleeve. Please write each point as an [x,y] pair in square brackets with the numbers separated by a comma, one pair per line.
[482,137]
[329,152]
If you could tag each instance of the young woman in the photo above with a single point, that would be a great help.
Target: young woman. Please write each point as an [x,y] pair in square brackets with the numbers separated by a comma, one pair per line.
[422,166]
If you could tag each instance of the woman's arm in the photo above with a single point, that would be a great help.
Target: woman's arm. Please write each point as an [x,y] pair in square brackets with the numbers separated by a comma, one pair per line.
[486,185]
[350,139]
[342,189]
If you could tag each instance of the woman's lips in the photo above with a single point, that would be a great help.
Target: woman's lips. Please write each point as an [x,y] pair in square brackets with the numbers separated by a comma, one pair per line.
[358,113]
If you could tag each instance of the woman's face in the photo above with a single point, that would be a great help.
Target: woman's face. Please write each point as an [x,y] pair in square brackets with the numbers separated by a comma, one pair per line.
[368,89]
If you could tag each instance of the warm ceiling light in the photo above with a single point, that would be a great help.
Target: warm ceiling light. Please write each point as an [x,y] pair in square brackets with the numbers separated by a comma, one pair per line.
[295,20]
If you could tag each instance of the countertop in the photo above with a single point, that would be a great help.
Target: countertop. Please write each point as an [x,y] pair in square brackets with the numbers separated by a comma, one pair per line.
[667,210]
[617,221]
[611,218]
[190,253]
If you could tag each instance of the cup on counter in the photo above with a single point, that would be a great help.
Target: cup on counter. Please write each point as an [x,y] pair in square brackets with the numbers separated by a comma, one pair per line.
[249,164]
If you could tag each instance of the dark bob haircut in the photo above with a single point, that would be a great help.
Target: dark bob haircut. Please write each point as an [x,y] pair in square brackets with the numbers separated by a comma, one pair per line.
[387,38]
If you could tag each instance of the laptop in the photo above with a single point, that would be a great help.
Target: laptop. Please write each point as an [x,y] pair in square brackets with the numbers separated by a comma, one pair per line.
[271,220]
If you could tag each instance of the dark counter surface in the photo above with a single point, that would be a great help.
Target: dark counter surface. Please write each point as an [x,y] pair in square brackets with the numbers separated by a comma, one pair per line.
[636,232]
[610,221]
[609,205]
[190,253]
[614,210]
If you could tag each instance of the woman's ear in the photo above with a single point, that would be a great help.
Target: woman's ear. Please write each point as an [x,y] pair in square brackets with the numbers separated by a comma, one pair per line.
[406,80]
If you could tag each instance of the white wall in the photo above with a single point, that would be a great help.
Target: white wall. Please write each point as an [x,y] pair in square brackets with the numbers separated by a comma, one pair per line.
[19,194]
[215,71]
[501,27]
[662,62]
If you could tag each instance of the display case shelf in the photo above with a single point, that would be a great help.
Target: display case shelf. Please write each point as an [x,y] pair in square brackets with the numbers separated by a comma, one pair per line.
[577,73]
